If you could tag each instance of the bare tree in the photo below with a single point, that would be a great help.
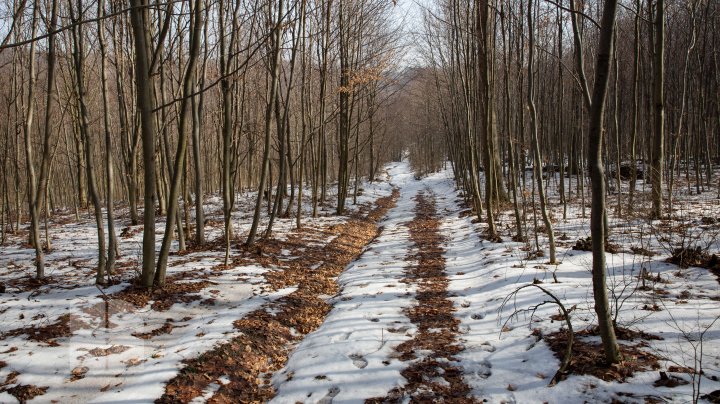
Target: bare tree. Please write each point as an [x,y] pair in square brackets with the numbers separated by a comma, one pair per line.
[139,17]
[537,161]
[597,176]
[109,174]
[196,13]
[658,141]
[87,138]
[31,177]
[274,68]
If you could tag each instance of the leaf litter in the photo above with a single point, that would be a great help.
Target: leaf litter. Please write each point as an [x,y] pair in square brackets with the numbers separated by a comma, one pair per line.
[268,335]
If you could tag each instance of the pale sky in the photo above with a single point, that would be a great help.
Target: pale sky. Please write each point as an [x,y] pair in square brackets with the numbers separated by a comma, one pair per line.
[410,12]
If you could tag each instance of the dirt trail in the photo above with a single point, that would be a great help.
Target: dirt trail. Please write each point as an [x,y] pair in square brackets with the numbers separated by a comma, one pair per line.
[433,373]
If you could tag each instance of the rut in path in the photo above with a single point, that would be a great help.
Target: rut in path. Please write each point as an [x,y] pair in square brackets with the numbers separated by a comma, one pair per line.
[433,373]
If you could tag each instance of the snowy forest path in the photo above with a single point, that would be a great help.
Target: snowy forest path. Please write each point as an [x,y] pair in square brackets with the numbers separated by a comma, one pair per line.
[392,324]
[317,314]
[434,372]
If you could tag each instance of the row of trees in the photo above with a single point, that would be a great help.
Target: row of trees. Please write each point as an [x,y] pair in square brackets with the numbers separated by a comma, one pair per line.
[152,105]
[570,87]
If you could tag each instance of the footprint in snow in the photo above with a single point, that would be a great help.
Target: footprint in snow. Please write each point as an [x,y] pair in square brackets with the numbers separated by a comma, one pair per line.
[328,399]
[487,347]
[359,361]
[484,371]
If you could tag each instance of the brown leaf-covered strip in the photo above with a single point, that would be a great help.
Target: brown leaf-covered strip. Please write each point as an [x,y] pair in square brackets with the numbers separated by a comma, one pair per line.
[63,326]
[588,359]
[21,392]
[433,374]
[175,290]
[269,333]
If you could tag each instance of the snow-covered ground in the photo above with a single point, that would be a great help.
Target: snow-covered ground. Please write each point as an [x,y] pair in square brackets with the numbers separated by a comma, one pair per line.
[352,356]
[111,350]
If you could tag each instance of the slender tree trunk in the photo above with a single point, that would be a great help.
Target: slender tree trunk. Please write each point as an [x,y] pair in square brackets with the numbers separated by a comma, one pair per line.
[88,144]
[658,155]
[177,172]
[109,175]
[305,110]
[560,115]
[31,177]
[636,107]
[46,162]
[486,38]
[227,130]
[274,74]
[534,135]
[599,211]
[511,139]
[344,112]
[197,108]
[616,130]
[139,17]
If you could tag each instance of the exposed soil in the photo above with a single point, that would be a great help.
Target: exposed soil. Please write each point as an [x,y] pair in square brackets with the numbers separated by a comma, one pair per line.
[26,392]
[21,392]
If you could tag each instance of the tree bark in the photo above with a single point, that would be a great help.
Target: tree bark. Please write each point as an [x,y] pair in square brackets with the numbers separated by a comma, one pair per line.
[658,141]
[87,139]
[177,173]
[146,105]
[109,174]
[599,211]
[274,67]
[31,177]
[537,165]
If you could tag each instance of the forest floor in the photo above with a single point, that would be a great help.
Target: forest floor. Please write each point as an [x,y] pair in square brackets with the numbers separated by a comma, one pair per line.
[400,299]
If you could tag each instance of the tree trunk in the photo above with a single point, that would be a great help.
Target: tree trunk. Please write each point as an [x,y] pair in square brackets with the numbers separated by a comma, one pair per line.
[197,109]
[658,155]
[274,67]
[88,144]
[31,177]
[534,135]
[109,175]
[177,172]
[599,211]
[146,104]
[636,107]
